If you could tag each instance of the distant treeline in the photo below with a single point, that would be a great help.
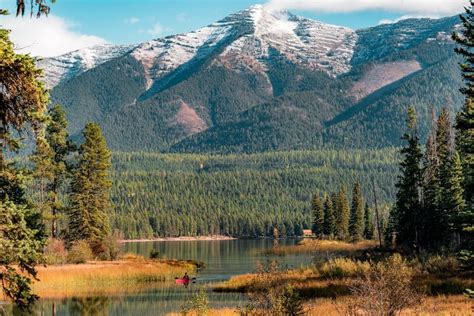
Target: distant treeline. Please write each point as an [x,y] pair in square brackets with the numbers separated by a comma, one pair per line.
[158,195]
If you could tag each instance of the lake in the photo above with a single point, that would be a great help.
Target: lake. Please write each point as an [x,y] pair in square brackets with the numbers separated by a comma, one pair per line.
[222,259]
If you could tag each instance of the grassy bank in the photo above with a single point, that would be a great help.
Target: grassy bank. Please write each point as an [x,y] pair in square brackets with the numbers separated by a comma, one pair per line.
[132,273]
[309,245]
[335,277]
[439,305]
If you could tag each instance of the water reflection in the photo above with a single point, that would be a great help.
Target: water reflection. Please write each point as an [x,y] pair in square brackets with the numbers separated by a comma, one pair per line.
[223,259]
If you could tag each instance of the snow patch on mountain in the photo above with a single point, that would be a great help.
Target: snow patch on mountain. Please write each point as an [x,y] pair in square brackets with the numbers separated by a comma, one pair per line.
[64,67]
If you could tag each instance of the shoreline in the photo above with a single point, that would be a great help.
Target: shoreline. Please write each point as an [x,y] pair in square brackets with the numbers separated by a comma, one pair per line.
[183,238]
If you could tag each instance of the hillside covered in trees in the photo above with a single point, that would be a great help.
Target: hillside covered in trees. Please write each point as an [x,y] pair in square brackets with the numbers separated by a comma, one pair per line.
[156,195]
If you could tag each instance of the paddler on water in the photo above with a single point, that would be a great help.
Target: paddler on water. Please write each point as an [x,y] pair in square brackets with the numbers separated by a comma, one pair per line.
[186,279]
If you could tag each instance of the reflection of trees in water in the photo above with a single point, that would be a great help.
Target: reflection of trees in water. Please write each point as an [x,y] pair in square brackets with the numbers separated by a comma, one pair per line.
[95,306]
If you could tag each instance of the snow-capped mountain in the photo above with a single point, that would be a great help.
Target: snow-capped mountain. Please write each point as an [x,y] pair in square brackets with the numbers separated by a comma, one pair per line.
[64,67]
[246,39]
[260,80]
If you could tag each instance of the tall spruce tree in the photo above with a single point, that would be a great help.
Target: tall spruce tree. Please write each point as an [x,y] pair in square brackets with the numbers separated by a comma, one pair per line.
[368,223]
[356,222]
[430,182]
[329,218]
[90,201]
[406,216]
[453,202]
[23,101]
[434,219]
[61,146]
[318,215]
[465,118]
[342,212]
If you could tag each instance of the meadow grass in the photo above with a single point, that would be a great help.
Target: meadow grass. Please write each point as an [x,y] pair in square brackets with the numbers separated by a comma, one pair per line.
[131,273]
[310,245]
[335,277]
[439,306]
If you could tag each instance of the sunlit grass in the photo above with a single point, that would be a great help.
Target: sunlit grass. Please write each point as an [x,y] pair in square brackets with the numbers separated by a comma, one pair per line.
[132,273]
[439,306]
[318,245]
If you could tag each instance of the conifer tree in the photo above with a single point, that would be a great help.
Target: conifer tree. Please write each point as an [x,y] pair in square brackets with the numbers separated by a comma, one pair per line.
[23,101]
[318,215]
[406,216]
[342,215]
[329,218]
[430,182]
[356,223]
[368,223]
[465,118]
[90,201]
[453,202]
[58,140]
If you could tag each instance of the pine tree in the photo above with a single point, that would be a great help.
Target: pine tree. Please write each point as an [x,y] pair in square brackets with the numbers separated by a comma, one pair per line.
[356,222]
[342,214]
[368,223]
[454,203]
[433,219]
[329,218]
[90,201]
[465,118]
[42,159]
[23,101]
[430,185]
[406,216]
[58,140]
[318,215]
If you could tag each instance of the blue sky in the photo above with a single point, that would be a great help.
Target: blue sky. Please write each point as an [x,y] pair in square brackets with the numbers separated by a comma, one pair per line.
[133,21]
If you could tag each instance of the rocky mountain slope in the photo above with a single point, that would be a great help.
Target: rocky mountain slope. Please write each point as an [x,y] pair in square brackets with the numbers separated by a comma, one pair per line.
[261,80]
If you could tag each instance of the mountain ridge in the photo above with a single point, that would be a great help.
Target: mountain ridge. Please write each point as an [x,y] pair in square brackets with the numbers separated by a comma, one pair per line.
[259,80]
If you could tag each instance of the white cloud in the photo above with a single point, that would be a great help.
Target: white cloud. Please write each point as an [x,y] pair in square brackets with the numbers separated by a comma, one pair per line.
[421,7]
[182,17]
[157,29]
[47,37]
[132,20]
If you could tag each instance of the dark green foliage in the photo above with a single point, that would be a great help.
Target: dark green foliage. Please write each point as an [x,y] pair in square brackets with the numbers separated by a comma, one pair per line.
[329,218]
[20,246]
[356,222]
[453,199]
[157,195]
[22,104]
[465,118]
[342,214]
[369,227]
[90,201]
[61,147]
[407,207]
[318,215]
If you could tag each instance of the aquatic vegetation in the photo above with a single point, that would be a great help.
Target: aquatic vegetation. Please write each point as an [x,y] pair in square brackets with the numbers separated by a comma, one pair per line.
[319,245]
[95,278]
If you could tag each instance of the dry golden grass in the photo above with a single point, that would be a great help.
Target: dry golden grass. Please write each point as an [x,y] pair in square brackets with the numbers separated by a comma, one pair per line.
[439,306]
[317,245]
[132,273]
[212,312]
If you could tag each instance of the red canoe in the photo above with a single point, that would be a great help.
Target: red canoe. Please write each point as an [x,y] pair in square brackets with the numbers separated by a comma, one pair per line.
[183,281]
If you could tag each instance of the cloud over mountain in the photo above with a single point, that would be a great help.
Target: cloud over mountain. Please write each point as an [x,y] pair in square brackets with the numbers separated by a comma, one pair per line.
[424,7]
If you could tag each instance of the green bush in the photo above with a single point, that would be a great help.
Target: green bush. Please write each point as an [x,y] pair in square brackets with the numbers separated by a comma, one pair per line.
[80,252]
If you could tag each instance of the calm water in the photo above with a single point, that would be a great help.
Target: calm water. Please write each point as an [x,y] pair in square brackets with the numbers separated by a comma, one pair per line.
[223,259]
